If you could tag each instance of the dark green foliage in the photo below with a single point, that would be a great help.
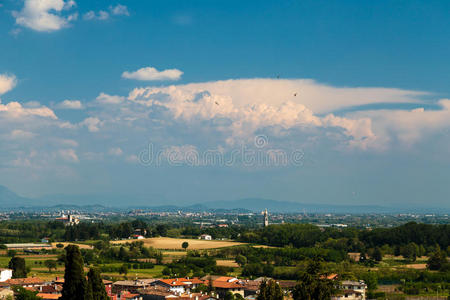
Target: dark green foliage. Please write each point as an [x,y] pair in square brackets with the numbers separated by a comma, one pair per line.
[270,290]
[17,264]
[420,234]
[241,260]
[50,264]
[74,286]
[24,294]
[185,245]
[123,269]
[370,278]
[228,296]
[95,286]
[377,255]
[410,251]
[258,270]
[437,260]
[312,284]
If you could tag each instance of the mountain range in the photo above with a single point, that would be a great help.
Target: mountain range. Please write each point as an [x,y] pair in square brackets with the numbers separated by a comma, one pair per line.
[11,200]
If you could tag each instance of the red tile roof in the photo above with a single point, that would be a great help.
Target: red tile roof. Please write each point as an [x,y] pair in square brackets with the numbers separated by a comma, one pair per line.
[25,281]
[181,281]
[47,296]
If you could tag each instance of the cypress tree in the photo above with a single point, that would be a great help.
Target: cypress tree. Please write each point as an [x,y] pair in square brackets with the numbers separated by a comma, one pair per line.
[75,286]
[96,288]
[270,290]
[17,264]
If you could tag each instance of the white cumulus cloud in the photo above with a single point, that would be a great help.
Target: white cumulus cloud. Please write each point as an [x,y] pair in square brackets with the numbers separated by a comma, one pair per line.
[7,83]
[45,15]
[152,74]
[119,10]
[109,99]
[16,110]
[92,124]
[70,104]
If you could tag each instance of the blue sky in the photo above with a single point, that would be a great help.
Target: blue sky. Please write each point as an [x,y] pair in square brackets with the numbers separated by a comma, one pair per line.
[361,93]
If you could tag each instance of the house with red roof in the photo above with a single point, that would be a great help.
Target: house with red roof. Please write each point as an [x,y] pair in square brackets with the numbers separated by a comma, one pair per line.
[179,285]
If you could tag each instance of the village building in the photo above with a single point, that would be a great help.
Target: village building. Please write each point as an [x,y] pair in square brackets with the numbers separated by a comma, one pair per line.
[206,237]
[351,290]
[179,285]
[354,256]
[131,286]
[5,274]
[28,246]
[69,220]
[31,282]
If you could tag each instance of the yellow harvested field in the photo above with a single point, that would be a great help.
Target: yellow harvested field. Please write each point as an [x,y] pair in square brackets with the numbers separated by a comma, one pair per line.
[174,253]
[416,266]
[81,246]
[171,243]
[227,263]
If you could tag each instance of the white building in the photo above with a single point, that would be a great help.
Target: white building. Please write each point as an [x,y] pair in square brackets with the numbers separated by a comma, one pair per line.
[206,237]
[5,274]
[351,290]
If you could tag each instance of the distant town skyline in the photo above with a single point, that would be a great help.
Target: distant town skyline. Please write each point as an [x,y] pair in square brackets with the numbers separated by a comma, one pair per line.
[187,102]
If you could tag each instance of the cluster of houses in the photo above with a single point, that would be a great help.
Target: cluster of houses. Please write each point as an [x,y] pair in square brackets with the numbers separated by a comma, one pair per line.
[172,288]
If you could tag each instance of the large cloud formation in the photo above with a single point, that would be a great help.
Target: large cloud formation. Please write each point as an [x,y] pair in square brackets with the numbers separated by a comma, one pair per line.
[222,115]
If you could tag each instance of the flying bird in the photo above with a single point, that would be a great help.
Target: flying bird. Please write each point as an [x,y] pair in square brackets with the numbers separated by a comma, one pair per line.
[295,94]
[217,103]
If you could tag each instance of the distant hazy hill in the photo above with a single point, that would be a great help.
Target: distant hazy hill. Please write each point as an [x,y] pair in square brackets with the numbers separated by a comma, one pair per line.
[9,199]
[258,205]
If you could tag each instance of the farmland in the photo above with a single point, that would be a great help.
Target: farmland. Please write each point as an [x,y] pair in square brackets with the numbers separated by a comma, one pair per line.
[165,243]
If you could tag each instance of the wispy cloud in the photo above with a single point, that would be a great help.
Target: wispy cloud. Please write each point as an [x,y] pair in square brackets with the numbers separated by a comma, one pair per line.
[70,104]
[102,15]
[152,74]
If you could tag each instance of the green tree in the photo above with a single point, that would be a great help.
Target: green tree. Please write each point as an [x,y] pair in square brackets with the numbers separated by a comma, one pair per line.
[185,245]
[370,278]
[74,286]
[50,264]
[241,260]
[437,259]
[123,269]
[95,285]
[409,252]
[270,290]
[17,264]
[124,254]
[377,255]
[312,284]
[228,296]
[24,294]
